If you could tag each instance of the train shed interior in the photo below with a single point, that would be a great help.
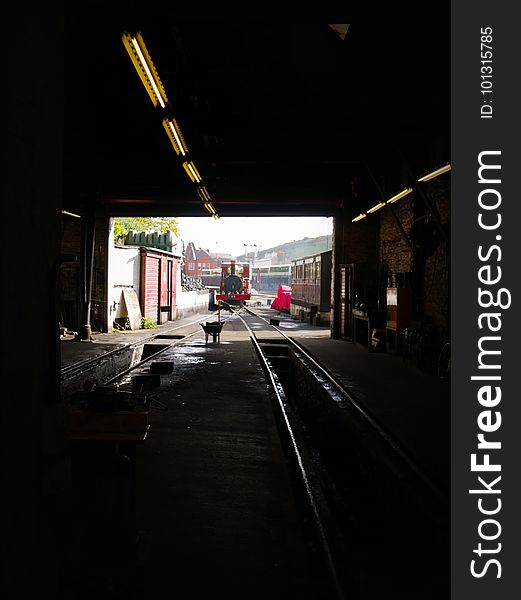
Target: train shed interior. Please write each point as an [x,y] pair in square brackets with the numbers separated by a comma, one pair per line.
[279,117]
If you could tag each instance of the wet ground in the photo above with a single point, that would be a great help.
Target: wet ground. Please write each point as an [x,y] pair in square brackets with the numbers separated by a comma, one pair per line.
[215,513]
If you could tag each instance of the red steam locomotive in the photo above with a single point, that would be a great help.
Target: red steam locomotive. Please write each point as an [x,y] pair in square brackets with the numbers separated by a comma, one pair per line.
[235,286]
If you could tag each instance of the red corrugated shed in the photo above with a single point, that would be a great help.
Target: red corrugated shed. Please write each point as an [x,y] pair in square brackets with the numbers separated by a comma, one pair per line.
[157,286]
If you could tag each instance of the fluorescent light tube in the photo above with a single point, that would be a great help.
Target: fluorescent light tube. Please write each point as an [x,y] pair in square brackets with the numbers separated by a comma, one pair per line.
[145,68]
[203,193]
[435,173]
[210,208]
[192,172]
[376,207]
[401,194]
[359,218]
[176,137]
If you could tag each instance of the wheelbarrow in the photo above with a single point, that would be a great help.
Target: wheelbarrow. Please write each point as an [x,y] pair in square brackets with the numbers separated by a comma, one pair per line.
[214,329]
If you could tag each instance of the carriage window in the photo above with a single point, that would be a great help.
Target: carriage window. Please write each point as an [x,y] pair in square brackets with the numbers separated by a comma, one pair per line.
[307,272]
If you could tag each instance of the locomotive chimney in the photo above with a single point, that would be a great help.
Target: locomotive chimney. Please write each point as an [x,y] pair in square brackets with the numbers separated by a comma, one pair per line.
[232,268]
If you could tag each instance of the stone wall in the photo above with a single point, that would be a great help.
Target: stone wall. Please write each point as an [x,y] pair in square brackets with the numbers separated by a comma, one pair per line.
[192,302]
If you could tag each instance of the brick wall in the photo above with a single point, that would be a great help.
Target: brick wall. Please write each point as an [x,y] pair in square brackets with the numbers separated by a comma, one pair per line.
[69,288]
[360,248]
[378,249]
[99,300]
[428,271]
[69,275]
[437,266]
[395,252]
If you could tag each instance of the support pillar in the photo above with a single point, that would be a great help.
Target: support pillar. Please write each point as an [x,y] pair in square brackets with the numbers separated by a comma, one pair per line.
[336,260]
[88,228]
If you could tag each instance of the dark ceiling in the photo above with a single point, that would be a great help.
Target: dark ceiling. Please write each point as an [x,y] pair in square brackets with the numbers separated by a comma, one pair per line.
[281,117]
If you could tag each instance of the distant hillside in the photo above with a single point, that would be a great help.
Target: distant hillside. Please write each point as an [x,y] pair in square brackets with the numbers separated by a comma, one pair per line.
[285,253]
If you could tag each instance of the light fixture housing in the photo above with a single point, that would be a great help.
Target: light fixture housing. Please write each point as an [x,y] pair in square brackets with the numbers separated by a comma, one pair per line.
[435,173]
[209,207]
[66,212]
[203,193]
[176,137]
[192,172]
[376,207]
[402,194]
[144,66]
[359,218]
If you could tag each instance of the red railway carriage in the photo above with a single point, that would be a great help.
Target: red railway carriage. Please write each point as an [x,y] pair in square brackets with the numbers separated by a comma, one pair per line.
[311,287]
[235,284]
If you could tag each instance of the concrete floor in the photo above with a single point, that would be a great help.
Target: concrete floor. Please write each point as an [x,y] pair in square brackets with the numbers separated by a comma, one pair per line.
[216,509]
[215,514]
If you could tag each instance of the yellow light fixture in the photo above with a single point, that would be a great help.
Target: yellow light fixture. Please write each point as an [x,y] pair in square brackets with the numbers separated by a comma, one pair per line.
[359,218]
[203,193]
[216,216]
[176,137]
[435,173]
[66,212]
[145,68]
[399,195]
[209,207]
[376,207]
[192,172]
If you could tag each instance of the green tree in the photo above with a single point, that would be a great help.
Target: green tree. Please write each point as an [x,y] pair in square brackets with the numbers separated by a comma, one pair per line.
[122,225]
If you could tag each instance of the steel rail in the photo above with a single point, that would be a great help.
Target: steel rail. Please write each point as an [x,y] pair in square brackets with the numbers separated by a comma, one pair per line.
[281,399]
[386,436]
[70,371]
[144,360]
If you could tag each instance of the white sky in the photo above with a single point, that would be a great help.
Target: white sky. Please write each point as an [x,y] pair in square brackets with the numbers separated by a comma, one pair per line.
[230,234]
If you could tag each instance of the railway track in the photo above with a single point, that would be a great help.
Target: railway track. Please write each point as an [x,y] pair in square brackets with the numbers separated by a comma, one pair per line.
[106,367]
[357,489]
[74,369]
[347,396]
[361,487]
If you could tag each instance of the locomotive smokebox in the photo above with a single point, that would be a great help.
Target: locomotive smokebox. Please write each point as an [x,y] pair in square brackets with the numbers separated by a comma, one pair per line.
[233,284]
